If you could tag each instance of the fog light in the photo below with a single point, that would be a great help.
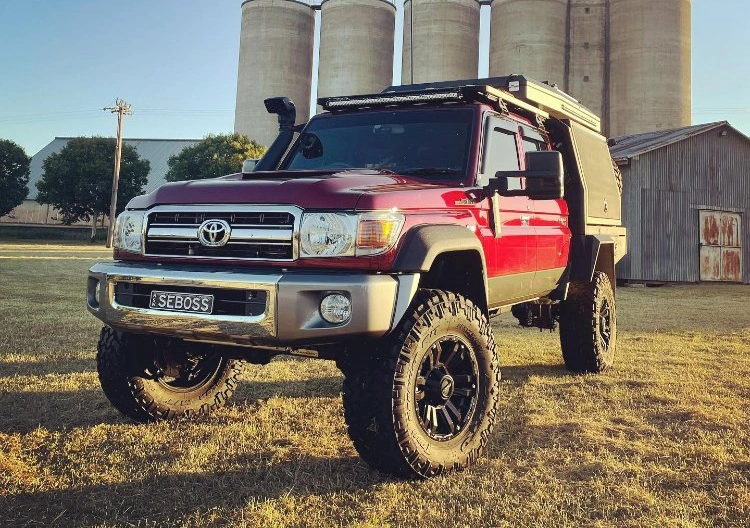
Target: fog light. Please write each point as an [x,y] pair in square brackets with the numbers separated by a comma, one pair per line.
[336,308]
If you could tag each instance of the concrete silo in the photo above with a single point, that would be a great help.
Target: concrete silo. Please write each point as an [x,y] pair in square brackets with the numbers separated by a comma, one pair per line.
[529,37]
[446,40]
[356,46]
[650,65]
[586,66]
[276,54]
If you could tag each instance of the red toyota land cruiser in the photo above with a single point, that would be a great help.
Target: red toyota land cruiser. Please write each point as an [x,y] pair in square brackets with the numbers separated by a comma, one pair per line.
[383,234]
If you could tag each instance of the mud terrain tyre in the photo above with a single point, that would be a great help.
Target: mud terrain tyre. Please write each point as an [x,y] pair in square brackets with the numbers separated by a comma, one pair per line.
[588,325]
[424,401]
[149,382]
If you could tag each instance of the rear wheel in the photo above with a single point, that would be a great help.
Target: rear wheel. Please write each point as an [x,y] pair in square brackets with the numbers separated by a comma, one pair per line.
[425,402]
[148,379]
[588,325]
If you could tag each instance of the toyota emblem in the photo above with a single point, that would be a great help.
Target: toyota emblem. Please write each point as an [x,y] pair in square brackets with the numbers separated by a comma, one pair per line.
[214,233]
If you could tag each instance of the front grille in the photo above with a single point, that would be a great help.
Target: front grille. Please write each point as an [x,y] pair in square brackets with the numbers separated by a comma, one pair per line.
[231,250]
[236,218]
[226,302]
[261,233]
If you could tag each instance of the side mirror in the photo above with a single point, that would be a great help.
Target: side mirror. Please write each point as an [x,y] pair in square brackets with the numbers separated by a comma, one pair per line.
[544,176]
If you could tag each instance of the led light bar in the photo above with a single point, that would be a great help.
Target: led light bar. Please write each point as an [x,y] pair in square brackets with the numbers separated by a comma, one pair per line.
[334,103]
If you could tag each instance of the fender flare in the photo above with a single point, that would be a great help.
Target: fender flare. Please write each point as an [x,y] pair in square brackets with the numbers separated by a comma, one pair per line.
[423,244]
[590,253]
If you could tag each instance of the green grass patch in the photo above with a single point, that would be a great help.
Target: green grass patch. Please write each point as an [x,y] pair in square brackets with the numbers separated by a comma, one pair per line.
[48,232]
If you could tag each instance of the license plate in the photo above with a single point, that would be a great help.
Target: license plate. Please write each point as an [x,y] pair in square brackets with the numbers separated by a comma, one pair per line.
[182,302]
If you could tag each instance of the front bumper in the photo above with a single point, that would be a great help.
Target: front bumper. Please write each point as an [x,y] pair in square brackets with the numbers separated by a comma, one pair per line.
[291,316]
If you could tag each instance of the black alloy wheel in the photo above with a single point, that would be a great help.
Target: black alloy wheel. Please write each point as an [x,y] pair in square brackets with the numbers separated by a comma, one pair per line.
[605,325]
[446,388]
[180,371]
[588,325]
[149,379]
[423,402]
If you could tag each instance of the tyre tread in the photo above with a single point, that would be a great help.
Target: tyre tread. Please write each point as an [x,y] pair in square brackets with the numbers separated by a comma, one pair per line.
[126,389]
[578,325]
[372,384]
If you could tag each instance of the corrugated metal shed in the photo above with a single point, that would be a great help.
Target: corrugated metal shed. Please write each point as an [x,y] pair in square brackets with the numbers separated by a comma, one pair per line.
[670,177]
[625,147]
[156,151]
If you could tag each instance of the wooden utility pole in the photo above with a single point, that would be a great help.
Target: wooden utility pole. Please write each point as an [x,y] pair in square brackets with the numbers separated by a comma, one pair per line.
[121,108]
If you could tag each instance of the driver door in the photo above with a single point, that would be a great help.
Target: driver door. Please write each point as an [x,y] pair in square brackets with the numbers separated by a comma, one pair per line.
[511,275]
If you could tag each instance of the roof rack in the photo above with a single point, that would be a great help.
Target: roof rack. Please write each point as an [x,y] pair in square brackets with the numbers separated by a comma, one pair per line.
[541,95]
[522,94]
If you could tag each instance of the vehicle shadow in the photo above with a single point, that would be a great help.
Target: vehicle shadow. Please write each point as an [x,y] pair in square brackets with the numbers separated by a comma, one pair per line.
[519,374]
[43,368]
[162,500]
[322,387]
[23,412]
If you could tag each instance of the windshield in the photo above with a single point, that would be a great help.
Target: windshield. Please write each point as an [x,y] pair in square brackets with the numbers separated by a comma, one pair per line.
[431,143]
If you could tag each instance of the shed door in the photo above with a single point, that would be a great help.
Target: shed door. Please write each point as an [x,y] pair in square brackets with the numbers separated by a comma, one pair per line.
[721,246]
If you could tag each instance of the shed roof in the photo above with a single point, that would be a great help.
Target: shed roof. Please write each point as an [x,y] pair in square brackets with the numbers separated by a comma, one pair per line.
[156,151]
[626,147]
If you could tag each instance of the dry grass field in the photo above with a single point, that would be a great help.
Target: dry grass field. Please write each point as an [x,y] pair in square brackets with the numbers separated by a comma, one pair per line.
[662,440]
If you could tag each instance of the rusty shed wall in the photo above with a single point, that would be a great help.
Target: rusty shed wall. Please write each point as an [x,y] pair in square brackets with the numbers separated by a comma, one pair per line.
[664,191]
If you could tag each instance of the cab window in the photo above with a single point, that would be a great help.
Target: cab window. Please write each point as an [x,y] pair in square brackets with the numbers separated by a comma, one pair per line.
[501,150]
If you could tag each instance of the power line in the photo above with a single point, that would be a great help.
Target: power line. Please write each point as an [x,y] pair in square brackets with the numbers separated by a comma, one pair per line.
[90,114]
[55,116]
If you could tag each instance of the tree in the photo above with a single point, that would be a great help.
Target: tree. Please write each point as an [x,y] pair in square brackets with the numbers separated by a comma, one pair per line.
[77,180]
[213,156]
[14,175]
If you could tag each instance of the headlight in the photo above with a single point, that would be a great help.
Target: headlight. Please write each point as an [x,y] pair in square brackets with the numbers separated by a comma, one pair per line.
[327,234]
[129,231]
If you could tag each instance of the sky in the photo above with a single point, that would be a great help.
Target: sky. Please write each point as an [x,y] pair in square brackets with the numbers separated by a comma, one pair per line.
[175,62]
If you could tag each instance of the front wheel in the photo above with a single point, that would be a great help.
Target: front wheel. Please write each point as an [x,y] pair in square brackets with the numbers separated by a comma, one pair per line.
[588,325]
[148,379]
[425,402]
